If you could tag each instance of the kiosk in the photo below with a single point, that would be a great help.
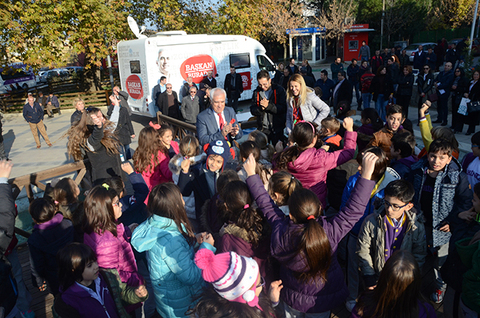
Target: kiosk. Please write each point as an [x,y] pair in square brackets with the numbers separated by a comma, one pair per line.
[352,41]
[307,44]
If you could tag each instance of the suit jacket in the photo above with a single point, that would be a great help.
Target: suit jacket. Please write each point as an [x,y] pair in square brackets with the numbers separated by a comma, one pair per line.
[207,127]
[233,93]
[344,93]
[162,102]
[419,60]
[212,83]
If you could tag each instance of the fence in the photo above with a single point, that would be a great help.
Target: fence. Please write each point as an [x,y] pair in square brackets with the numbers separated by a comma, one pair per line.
[435,35]
[96,98]
[36,178]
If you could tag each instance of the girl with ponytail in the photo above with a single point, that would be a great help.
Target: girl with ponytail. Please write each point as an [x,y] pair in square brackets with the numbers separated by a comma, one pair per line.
[244,230]
[305,242]
[310,165]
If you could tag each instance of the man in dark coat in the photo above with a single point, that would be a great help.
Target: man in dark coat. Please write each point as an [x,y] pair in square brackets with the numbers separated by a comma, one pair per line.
[444,83]
[8,288]
[269,105]
[343,92]
[167,102]
[326,85]
[419,58]
[210,80]
[234,87]
[431,59]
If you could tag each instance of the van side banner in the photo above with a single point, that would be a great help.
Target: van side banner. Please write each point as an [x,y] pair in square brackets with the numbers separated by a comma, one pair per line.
[197,67]
[246,80]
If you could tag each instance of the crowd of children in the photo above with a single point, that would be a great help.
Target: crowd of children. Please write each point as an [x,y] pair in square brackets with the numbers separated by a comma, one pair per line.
[216,233]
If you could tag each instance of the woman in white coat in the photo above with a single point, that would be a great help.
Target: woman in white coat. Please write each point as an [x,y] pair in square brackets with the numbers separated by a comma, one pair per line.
[303,104]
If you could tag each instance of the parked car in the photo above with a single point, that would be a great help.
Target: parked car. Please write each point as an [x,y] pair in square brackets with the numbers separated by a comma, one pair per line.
[454,41]
[75,69]
[54,75]
[413,48]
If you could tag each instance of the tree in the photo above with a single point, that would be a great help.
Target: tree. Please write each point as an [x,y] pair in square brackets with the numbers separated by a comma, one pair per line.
[338,17]
[45,32]
[278,16]
[451,14]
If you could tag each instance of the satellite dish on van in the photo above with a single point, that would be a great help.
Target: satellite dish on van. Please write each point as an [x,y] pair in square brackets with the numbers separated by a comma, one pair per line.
[134,27]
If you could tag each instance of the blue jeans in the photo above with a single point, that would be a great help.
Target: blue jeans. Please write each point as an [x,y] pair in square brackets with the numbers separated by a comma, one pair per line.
[380,106]
[366,99]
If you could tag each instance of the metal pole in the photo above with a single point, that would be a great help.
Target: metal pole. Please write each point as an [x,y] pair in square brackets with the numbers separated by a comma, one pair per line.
[109,65]
[473,28]
[381,27]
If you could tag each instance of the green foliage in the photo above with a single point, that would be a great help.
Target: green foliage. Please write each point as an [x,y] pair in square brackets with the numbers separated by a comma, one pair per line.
[45,32]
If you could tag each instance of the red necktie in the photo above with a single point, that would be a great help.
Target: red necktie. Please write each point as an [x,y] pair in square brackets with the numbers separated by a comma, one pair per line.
[221,121]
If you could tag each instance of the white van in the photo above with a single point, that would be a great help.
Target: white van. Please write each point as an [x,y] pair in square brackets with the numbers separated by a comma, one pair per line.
[16,76]
[176,55]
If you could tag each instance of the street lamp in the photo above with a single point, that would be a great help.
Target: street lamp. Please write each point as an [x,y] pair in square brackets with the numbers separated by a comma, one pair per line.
[473,29]
[381,27]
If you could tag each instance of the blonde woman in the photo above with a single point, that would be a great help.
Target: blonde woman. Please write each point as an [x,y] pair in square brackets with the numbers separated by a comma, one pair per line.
[303,104]
[79,105]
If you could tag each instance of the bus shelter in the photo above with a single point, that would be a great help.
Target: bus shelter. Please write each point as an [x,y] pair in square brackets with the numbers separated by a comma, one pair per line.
[307,44]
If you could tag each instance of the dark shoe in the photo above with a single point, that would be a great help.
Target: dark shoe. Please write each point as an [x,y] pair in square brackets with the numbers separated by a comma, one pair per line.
[59,112]
[444,124]
[452,128]
[359,108]
[468,133]
[50,116]
[438,121]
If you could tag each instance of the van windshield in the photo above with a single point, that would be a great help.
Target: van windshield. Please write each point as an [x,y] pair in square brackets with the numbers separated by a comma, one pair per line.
[265,64]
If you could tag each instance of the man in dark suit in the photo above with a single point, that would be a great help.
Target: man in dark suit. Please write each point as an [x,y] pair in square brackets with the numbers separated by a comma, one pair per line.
[167,102]
[210,80]
[234,87]
[218,122]
[343,91]
[420,58]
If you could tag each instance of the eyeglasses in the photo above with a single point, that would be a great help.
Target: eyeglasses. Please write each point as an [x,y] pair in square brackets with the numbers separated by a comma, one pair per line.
[116,203]
[394,206]
[262,282]
[169,87]
[426,68]
[474,146]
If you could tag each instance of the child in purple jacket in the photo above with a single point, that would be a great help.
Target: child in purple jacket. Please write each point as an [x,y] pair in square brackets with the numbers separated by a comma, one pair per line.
[305,242]
[89,292]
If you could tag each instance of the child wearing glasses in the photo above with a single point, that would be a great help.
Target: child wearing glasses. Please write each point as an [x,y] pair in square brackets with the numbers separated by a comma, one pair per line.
[382,176]
[441,193]
[394,226]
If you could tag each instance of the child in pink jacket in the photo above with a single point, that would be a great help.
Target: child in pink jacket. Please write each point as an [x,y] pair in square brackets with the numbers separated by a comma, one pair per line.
[310,165]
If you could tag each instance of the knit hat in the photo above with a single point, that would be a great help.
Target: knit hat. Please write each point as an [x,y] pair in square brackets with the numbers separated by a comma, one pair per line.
[219,148]
[233,276]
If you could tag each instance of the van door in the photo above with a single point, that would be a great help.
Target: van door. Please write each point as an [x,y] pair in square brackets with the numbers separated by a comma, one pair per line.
[242,63]
[264,63]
